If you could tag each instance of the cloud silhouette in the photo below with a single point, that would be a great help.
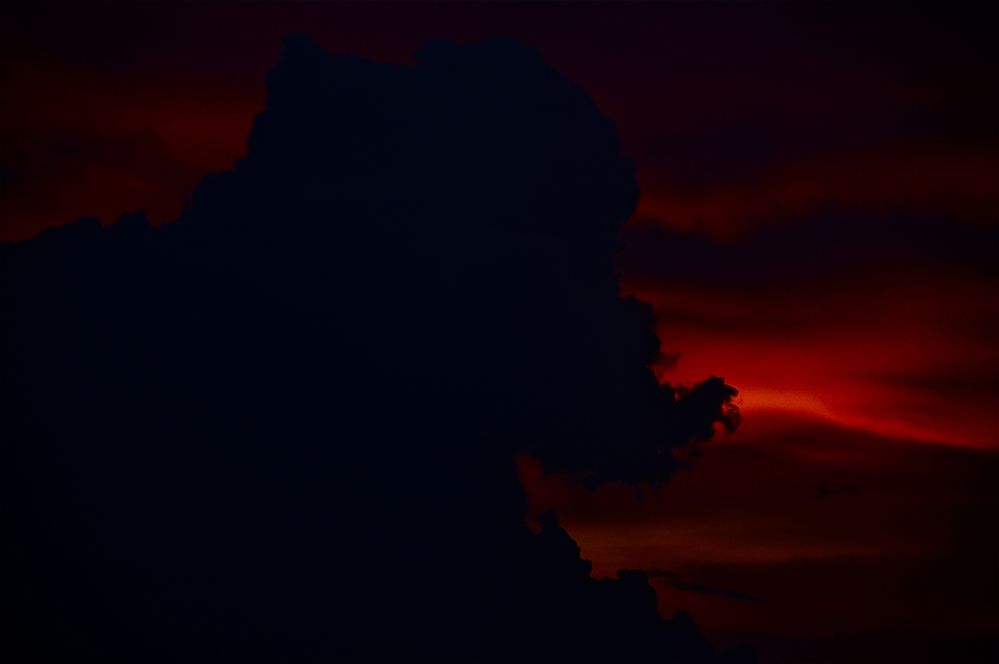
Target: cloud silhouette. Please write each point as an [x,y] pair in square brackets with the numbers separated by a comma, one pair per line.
[224,431]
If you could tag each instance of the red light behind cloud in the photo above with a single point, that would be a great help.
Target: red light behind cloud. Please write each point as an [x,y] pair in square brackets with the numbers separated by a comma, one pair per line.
[883,366]
[855,496]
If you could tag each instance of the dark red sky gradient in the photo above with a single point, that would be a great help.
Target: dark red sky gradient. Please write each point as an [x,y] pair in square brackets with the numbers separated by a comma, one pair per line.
[817,225]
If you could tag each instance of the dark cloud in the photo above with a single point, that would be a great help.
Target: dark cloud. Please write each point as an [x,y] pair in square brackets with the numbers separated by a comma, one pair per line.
[832,245]
[711,590]
[223,431]
[976,385]
[673,580]
[848,489]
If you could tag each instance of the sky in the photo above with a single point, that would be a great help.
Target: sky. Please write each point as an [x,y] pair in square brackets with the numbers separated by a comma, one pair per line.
[817,225]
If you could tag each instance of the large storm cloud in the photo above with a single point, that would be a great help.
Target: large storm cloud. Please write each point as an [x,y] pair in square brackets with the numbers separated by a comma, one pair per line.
[283,427]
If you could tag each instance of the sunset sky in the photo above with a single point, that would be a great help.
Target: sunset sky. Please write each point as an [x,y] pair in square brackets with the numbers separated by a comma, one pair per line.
[817,225]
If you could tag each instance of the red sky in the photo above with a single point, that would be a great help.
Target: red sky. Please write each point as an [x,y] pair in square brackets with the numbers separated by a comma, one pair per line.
[817,225]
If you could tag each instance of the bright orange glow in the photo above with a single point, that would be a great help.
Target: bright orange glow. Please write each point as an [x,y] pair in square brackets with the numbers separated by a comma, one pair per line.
[854,359]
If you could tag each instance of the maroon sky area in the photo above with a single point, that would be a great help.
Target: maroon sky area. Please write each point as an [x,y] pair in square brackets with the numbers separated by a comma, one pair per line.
[817,224]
